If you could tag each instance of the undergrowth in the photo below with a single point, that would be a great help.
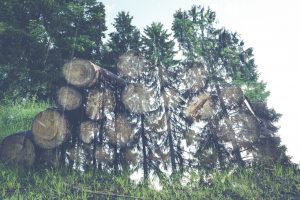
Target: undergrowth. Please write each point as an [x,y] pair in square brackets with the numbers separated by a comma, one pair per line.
[256,182]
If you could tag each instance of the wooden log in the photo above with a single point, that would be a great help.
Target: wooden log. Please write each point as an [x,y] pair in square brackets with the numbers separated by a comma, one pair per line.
[50,129]
[131,157]
[18,150]
[69,98]
[88,131]
[137,98]
[104,155]
[80,156]
[120,131]
[83,73]
[131,65]
[98,100]
[200,107]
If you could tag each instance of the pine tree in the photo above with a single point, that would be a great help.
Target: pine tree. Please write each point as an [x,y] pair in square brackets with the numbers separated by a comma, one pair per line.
[38,37]
[125,38]
[226,62]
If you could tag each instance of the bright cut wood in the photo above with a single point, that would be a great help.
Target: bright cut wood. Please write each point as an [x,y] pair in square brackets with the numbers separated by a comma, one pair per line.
[81,73]
[88,131]
[50,129]
[69,98]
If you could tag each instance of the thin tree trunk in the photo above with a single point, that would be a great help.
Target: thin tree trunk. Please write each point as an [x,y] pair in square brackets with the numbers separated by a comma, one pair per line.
[170,138]
[217,145]
[144,143]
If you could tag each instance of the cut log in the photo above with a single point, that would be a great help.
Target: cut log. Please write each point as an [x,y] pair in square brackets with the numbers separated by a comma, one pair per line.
[131,65]
[50,129]
[103,155]
[194,79]
[88,131]
[69,98]
[81,73]
[131,157]
[137,98]
[80,155]
[200,107]
[98,100]
[120,131]
[18,150]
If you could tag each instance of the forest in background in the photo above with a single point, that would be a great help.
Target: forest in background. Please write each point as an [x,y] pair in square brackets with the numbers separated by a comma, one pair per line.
[38,37]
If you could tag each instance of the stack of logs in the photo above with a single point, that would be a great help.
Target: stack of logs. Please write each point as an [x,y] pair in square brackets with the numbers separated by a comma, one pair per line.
[76,117]
[59,134]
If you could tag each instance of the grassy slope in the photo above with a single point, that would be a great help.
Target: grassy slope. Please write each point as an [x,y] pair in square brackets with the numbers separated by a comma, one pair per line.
[18,117]
[256,183]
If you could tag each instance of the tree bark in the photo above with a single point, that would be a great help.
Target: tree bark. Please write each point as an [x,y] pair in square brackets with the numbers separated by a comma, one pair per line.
[144,143]
[18,150]
[50,129]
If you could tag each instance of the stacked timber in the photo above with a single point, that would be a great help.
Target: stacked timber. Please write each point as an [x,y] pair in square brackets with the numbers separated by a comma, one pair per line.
[70,131]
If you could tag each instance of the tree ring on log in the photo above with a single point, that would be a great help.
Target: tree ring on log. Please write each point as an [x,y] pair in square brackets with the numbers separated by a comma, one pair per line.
[81,73]
[131,65]
[88,130]
[69,98]
[17,150]
[50,129]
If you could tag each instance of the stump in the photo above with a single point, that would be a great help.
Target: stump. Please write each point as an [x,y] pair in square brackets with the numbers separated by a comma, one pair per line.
[69,98]
[81,73]
[18,150]
[50,129]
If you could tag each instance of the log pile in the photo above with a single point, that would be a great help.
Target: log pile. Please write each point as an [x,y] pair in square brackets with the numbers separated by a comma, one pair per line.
[93,99]
[69,132]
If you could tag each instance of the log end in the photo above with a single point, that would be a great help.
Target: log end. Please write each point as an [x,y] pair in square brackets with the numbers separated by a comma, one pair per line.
[81,73]
[69,98]
[50,129]
[17,150]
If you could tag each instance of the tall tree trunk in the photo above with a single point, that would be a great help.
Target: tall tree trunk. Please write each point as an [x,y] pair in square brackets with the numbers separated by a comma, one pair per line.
[168,119]
[144,143]
[170,138]
[217,145]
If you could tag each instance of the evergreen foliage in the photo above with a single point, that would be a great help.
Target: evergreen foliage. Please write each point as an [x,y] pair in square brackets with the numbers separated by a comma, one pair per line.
[229,126]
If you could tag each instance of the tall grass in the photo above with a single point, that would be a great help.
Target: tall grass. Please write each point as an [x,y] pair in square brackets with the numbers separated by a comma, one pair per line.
[251,183]
[18,115]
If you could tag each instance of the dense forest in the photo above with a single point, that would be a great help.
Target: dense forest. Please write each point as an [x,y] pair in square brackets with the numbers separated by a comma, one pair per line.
[167,72]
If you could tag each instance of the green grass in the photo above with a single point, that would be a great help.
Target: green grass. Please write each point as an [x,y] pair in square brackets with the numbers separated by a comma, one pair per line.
[15,117]
[252,183]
